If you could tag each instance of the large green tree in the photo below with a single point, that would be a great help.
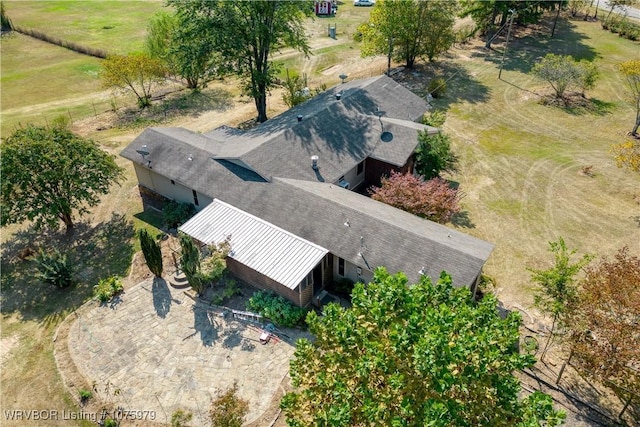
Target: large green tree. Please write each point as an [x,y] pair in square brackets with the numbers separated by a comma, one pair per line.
[50,173]
[408,30]
[245,32]
[185,47]
[416,355]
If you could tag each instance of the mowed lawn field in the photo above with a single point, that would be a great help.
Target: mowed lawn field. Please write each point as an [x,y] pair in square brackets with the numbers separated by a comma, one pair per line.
[520,162]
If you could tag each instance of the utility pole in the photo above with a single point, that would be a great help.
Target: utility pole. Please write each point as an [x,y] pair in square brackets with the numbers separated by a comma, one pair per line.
[506,45]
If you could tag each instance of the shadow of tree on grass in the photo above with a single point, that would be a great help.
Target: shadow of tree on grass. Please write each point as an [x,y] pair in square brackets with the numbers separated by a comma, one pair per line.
[462,219]
[530,44]
[461,84]
[183,102]
[96,252]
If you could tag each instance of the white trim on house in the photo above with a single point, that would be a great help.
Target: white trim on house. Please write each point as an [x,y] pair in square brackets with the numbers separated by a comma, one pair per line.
[256,243]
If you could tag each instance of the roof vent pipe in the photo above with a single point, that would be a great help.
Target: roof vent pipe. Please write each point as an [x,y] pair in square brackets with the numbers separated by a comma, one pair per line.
[299,117]
[314,163]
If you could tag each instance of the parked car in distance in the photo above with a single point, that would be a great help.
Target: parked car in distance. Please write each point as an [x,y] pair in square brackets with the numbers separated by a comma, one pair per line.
[364,2]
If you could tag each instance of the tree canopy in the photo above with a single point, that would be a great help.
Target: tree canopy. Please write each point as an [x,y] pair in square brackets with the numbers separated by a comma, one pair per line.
[136,73]
[435,199]
[433,154]
[425,354]
[631,72]
[563,72]
[604,321]
[244,32]
[489,13]
[407,30]
[557,287]
[185,47]
[48,173]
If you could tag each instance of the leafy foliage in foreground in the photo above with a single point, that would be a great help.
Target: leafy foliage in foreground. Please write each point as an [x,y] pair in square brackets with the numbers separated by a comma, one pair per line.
[228,410]
[412,355]
[276,308]
[434,199]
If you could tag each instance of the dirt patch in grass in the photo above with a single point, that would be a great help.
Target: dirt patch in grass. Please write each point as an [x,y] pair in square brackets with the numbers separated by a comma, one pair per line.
[6,345]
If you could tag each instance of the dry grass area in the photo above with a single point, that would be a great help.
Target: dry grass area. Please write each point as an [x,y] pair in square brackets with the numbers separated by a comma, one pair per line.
[521,167]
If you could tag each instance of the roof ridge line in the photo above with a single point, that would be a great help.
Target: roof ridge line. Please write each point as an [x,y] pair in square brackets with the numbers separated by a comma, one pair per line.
[383,219]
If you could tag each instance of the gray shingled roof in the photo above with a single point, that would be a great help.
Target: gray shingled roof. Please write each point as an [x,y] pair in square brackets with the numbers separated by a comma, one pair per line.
[390,237]
[342,133]
[184,162]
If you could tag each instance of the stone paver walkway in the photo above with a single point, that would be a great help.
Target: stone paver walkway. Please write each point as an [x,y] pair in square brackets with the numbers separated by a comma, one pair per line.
[162,351]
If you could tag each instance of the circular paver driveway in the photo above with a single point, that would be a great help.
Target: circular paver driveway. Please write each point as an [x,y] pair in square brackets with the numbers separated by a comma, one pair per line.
[162,351]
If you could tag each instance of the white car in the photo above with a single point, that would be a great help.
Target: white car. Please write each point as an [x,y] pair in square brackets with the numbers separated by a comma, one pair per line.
[364,2]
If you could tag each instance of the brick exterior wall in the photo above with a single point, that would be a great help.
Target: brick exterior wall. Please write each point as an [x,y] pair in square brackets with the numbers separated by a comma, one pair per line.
[375,169]
[263,282]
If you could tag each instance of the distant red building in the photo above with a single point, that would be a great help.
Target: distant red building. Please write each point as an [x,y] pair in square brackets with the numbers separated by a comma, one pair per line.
[326,7]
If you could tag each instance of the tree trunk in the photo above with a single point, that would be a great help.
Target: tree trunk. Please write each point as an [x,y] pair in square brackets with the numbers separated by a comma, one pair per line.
[548,343]
[410,63]
[68,222]
[490,26]
[634,131]
[261,106]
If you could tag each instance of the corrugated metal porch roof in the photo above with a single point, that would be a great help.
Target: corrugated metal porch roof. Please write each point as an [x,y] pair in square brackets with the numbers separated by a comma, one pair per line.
[258,244]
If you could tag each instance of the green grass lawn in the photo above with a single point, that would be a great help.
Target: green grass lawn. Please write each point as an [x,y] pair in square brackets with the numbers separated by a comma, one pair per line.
[115,26]
[521,161]
[44,87]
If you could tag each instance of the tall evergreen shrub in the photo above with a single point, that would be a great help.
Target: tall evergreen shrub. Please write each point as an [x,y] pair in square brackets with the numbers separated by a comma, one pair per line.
[151,251]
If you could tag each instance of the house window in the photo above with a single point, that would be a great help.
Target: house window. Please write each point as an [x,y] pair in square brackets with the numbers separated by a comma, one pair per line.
[360,168]
[341,266]
[173,182]
[195,198]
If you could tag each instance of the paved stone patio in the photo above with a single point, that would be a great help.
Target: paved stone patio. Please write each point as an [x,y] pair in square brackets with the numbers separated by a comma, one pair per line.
[163,351]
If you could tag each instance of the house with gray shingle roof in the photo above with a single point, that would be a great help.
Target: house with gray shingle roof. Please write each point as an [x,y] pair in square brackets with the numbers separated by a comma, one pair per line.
[281,192]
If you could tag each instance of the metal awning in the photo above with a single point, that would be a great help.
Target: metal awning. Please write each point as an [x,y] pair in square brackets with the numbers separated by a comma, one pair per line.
[258,244]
